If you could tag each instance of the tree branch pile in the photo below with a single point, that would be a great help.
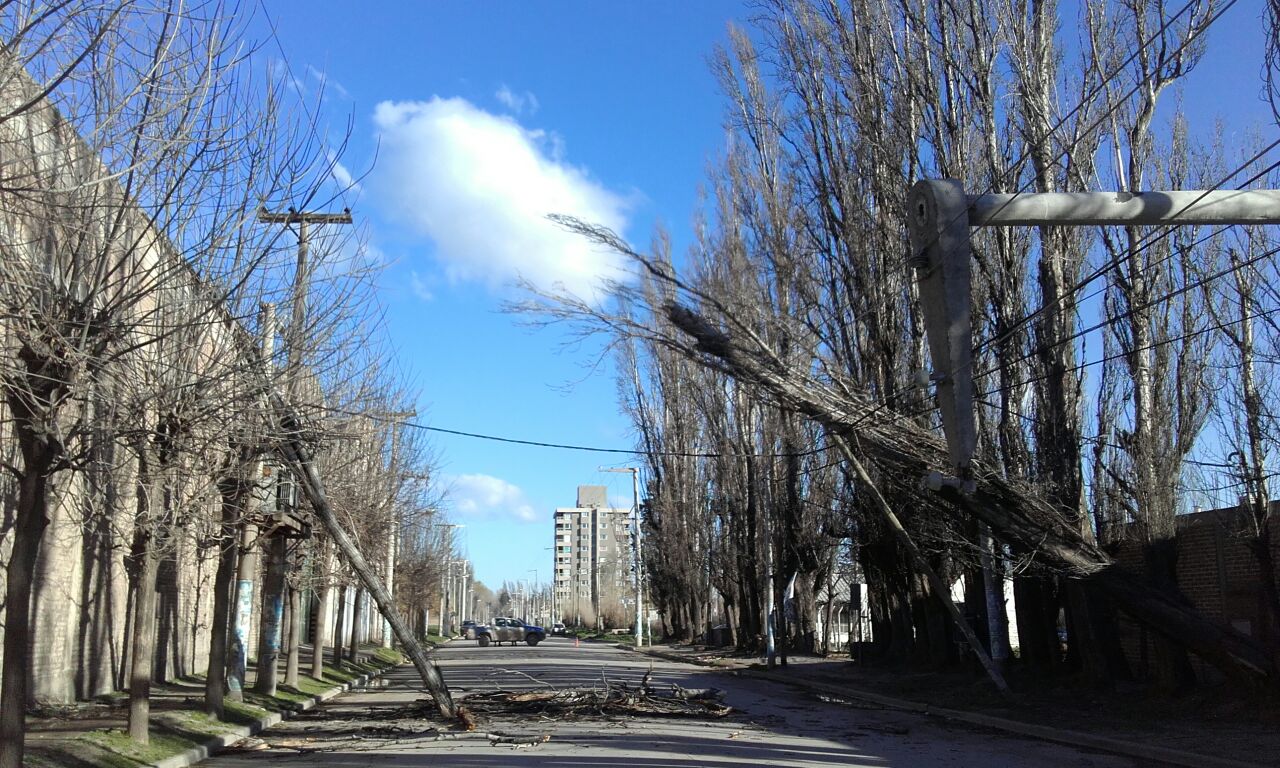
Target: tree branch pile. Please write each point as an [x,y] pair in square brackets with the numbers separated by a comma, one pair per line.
[611,700]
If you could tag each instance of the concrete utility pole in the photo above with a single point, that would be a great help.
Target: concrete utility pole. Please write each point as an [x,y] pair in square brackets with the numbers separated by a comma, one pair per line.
[639,559]
[770,638]
[446,574]
[537,619]
[394,537]
[1077,209]
[460,587]
[444,592]
[295,453]
[939,215]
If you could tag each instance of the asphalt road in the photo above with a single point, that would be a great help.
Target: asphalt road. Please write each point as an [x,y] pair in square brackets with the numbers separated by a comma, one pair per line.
[772,725]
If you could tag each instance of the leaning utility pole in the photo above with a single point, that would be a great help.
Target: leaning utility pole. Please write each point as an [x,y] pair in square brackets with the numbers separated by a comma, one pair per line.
[275,583]
[299,460]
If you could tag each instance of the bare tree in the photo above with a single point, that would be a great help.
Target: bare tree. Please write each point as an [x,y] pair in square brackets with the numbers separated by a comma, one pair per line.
[140,150]
[1163,424]
[121,105]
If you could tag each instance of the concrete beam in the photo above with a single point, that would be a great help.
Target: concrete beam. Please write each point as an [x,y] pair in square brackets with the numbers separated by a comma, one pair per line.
[1216,207]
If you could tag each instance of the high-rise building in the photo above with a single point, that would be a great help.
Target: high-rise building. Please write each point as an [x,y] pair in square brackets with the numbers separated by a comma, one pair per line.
[594,561]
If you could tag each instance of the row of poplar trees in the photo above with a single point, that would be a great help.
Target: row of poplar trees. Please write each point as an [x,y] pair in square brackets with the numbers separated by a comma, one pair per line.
[1124,373]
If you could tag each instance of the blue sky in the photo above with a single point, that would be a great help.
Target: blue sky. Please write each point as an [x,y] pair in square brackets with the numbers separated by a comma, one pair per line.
[484,116]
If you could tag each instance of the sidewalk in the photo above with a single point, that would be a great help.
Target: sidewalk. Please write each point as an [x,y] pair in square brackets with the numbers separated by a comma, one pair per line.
[95,733]
[1199,730]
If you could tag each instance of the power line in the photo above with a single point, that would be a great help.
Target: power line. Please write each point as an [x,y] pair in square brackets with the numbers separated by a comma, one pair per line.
[567,446]
[1096,440]
[1106,114]
[1109,321]
[1148,242]
[1153,302]
[1154,345]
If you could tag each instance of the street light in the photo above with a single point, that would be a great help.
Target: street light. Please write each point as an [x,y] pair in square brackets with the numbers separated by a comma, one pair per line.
[635,496]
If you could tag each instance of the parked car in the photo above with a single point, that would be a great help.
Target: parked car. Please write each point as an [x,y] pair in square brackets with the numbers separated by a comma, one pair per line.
[509,630]
[469,630]
[559,629]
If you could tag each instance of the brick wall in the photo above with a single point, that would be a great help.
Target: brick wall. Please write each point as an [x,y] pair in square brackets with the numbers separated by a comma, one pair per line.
[80,602]
[1217,572]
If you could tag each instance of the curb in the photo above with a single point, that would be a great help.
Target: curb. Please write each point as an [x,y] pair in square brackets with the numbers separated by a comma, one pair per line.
[235,733]
[1042,732]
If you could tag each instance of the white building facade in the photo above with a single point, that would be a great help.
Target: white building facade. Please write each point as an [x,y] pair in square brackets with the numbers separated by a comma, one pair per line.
[594,562]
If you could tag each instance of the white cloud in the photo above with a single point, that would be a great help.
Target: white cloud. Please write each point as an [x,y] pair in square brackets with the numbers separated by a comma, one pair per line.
[485,496]
[341,174]
[481,185]
[279,70]
[327,83]
[517,102]
[419,286]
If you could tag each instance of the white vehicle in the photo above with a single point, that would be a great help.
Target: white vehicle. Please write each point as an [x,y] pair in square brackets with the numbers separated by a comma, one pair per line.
[509,630]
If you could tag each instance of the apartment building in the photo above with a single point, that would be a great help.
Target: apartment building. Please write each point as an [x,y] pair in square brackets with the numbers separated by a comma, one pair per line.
[594,568]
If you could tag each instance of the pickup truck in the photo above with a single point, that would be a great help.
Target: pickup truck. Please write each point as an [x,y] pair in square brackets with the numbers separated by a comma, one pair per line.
[509,630]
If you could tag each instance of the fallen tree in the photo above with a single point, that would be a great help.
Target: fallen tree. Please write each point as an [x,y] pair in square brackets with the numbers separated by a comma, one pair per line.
[900,450]
[906,452]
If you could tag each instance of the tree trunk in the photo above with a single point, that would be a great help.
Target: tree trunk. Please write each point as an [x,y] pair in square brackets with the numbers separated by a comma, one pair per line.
[827,614]
[223,583]
[1172,666]
[295,632]
[975,605]
[357,615]
[31,520]
[322,612]
[145,565]
[242,612]
[1036,613]
[1262,552]
[339,624]
[1090,633]
[272,610]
